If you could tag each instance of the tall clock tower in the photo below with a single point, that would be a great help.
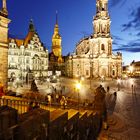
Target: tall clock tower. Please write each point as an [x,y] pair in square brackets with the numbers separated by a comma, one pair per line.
[4,21]
[101,25]
[56,42]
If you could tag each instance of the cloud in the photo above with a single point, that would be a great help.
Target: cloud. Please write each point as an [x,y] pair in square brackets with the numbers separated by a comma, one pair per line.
[117,38]
[138,34]
[128,49]
[132,46]
[117,2]
[135,22]
[117,41]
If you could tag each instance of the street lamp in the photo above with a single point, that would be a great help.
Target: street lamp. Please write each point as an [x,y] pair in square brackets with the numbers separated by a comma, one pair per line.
[82,78]
[78,87]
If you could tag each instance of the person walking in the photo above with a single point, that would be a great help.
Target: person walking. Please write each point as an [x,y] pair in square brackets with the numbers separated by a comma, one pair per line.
[108,88]
[30,107]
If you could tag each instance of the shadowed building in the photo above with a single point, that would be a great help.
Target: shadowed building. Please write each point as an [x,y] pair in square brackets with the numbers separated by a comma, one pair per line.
[132,70]
[93,56]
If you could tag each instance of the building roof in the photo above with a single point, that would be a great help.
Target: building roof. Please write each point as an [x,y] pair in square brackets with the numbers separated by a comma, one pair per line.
[25,40]
[28,38]
[136,63]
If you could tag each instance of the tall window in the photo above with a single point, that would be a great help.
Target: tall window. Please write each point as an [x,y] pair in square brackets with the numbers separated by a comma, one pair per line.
[102,47]
[113,72]
[87,72]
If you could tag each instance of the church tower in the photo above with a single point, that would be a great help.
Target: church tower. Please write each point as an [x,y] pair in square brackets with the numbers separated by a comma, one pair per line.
[4,21]
[56,42]
[101,25]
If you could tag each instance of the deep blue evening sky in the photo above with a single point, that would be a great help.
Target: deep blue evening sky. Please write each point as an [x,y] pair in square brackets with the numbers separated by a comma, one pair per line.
[75,21]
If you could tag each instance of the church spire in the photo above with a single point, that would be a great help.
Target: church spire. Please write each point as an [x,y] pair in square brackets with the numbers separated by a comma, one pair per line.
[4,10]
[56,40]
[102,5]
[31,26]
[56,17]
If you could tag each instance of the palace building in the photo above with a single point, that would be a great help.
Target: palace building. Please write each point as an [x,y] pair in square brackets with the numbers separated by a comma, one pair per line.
[93,56]
[4,22]
[27,56]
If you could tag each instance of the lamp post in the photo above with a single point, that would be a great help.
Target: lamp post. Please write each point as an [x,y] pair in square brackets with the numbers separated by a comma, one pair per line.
[78,87]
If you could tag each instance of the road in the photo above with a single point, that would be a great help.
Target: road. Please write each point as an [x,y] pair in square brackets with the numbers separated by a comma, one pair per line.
[123,111]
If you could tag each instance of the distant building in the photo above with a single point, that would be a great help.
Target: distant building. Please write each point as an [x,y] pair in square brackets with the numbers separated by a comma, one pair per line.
[132,70]
[93,56]
[4,22]
[27,55]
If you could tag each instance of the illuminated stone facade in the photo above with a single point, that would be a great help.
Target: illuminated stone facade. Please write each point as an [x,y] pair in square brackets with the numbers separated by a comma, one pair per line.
[27,55]
[93,56]
[4,21]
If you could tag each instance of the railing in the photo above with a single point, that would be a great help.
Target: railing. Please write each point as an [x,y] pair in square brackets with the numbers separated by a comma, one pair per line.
[22,104]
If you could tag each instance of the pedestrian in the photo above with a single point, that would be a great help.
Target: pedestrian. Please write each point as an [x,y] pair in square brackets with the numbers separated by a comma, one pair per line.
[115,94]
[30,107]
[36,106]
[132,86]
[57,97]
[46,100]
[49,99]
[108,88]
[63,102]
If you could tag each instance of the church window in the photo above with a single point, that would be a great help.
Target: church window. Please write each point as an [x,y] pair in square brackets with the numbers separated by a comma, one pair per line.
[87,72]
[102,47]
[113,72]
[27,61]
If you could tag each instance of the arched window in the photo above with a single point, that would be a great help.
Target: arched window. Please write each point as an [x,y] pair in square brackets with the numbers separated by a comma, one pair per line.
[113,72]
[102,47]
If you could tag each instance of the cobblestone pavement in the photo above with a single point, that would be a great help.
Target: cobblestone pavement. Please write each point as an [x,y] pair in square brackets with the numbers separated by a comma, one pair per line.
[123,111]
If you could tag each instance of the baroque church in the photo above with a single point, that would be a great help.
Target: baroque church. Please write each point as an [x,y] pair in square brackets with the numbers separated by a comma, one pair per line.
[93,57]
[27,56]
